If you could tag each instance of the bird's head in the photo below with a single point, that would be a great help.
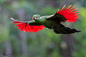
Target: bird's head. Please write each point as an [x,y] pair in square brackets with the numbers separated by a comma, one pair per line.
[36,16]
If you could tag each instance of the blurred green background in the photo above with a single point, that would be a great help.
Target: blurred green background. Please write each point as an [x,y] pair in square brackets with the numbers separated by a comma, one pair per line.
[45,43]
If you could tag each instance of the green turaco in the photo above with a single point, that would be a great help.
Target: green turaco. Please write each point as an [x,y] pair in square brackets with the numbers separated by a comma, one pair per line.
[51,22]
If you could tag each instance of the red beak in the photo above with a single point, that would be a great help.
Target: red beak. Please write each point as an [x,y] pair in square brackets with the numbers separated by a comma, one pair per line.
[33,18]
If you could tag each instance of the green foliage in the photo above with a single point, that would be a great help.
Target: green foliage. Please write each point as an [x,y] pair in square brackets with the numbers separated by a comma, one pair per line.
[2,1]
[83,14]
[81,39]
[23,5]
[44,43]
[3,34]
[55,54]
[49,10]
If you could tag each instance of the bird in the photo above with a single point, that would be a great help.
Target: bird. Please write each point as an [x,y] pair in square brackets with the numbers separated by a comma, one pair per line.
[54,22]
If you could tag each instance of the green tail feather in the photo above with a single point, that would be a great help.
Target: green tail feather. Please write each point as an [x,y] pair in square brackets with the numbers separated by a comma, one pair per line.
[65,30]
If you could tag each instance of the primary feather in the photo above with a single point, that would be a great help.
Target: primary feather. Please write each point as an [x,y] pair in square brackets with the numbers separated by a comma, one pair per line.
[69,13]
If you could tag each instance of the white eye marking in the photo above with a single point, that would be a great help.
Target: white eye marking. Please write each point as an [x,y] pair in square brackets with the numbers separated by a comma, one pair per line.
[40,17]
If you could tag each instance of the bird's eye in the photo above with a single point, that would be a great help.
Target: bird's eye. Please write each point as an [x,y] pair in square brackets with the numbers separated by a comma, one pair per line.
[33,18]
[36,16]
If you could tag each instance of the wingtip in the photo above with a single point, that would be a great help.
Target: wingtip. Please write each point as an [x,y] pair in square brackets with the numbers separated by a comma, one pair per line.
[68,6]
[13,19]
[62,7]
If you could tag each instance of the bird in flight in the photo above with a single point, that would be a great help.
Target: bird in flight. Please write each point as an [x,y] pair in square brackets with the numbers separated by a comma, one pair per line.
[54,22]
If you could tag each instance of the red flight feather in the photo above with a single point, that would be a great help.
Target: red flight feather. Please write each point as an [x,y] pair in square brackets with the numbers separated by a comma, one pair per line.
[26,27]
[69,13]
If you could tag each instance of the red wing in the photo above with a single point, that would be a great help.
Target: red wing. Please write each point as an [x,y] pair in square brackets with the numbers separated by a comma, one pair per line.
[31,27]
[69,13]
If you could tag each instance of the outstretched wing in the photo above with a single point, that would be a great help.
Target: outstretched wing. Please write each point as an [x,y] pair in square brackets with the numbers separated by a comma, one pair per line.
[68,14]
[65,30]
[30,26]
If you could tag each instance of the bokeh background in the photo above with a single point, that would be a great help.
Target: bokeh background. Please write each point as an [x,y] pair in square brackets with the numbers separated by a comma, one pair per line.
[45,43]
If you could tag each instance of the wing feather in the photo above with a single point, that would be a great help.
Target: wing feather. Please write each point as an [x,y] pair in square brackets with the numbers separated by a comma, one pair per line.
[68,14]
[30,26]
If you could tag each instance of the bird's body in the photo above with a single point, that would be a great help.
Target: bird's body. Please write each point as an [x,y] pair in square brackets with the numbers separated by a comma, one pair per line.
[47,23]
[52,22]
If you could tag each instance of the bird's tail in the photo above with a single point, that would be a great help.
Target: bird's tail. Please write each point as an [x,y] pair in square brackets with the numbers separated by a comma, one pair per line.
[65,30]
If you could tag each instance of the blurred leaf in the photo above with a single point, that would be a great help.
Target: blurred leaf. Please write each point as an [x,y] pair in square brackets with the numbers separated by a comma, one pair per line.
[49,10]
[2,1]
[55,54]
[3,33]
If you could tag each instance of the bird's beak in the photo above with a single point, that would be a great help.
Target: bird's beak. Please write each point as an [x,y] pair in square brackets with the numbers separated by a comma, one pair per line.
[33,18]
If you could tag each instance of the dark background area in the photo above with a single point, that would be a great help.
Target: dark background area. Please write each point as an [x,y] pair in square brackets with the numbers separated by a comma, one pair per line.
[45,43]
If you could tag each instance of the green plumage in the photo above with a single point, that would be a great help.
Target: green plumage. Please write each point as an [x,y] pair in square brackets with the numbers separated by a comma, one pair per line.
[52,22]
